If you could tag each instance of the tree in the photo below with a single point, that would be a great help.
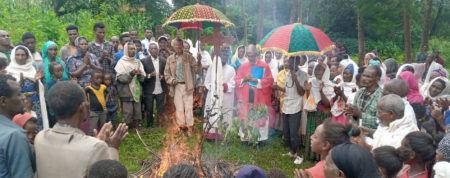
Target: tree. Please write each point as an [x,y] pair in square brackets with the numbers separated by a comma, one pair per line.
[426,22]
[293,11]
[244,19]
[259,26]
[407,31]
[274,14]
[299,11]
[361,40]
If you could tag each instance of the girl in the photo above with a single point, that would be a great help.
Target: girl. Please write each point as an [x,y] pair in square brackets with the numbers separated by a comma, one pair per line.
[389,160]
[421,152]
[239,57]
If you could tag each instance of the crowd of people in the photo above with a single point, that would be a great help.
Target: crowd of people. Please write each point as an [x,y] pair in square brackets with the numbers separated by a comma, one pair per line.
[59,113]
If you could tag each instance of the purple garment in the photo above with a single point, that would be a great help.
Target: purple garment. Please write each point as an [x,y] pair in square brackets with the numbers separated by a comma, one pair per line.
[251,172]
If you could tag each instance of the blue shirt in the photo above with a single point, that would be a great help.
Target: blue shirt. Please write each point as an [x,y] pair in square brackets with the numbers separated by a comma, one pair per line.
[16,159]
[119,55]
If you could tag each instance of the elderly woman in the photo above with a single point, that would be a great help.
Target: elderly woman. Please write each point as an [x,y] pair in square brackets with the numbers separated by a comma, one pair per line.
[81,64]
[49,52]
[350,160]
[393,126]
[21,67]
[345,92]
[438,88]
[319,91]
[130,72]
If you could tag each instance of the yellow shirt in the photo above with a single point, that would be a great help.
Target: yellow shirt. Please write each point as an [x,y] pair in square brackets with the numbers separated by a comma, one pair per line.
[97,103]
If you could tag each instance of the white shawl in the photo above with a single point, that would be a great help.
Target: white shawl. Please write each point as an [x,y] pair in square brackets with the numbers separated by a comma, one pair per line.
[127,64]
[26,69]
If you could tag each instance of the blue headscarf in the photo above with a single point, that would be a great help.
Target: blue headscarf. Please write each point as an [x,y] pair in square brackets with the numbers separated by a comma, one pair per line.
[351,68]
[48,76]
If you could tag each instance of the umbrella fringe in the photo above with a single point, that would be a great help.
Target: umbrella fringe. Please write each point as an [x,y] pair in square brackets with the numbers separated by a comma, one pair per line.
[226,23]
[314,53]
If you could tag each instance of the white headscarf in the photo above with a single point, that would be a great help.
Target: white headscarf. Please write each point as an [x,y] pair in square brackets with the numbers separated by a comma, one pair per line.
[236,56]
[328,89]
[304,67]
[444,93]
[127,64]
[26,69]
[347,88]
[273,65]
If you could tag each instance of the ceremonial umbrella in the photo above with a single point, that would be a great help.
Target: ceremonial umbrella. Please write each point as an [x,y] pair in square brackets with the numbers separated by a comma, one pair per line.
[296,39]
[197,17]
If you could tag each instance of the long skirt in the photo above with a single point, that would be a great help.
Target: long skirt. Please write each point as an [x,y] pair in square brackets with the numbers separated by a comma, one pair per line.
[314,119]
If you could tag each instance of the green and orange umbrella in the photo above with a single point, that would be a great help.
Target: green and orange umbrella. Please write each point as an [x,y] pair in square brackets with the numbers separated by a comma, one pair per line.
[296,39]
[197,17]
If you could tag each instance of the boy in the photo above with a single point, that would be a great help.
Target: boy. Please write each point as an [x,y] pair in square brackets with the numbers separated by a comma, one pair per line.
[111,100]
[95,94]
[29,123]
[57,70]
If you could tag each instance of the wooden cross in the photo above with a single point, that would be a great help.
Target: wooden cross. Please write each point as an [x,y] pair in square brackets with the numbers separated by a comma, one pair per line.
[217,39]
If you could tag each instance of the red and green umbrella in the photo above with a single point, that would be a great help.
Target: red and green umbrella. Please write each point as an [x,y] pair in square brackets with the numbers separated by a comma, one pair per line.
[297,39]
[197,17]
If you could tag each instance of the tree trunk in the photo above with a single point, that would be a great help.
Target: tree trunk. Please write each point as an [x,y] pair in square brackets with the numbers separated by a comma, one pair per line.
[259,26]
[274,14]
[407,31]
[436,20]
[224,3]
[293,11]
[426,22]
[244,21]
[361,42]
[299,11]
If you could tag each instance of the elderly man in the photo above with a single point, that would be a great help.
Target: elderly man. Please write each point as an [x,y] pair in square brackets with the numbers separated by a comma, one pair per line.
[154,84]
[69,49]
[115,41]
[400,88]
[16,158]
[64,150]
[393,126]
[5,44]
[366,99]
[253,87]
[180,76]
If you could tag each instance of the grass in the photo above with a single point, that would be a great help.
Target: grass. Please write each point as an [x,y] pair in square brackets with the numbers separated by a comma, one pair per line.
[265,156]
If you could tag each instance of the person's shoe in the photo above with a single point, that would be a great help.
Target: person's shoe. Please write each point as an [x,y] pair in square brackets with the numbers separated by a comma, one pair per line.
[298,160]
[289,154]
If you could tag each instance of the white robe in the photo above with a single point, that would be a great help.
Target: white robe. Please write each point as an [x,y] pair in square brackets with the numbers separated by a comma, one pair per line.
[225,101]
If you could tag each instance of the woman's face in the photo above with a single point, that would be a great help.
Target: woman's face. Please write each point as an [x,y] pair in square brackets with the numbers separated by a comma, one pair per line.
[52,51]
[186,48]
[436,88]
[333,61]
[316,140]
[310,68]
[21,57]
[321,59]
[138,47]
[131,50]
[348,76]
[334,71]
[286,64]
[241,52]
[319,72]
[268,57]
[83,45]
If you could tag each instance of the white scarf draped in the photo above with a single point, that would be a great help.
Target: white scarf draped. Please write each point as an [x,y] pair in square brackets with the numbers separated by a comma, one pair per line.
[26,69]
[127,64]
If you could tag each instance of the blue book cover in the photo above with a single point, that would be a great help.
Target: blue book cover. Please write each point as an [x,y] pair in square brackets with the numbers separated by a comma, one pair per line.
[258,73]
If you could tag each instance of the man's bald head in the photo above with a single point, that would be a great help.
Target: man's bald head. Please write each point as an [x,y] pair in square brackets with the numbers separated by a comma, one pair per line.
[396,86]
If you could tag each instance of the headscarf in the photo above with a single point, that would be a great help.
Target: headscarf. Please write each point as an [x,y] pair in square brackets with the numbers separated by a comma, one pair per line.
[414,95]
[79,53]
[439,72]
[444,147]
[22,119]
[251,172]
[328,89]
[273,65]
[355,161]
[235,61]
[433,66]
[391,67]
[26,69]
[48,76]
[445,92]
[127,64]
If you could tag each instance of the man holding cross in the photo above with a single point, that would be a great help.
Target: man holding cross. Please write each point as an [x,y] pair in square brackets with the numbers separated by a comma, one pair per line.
[180,73]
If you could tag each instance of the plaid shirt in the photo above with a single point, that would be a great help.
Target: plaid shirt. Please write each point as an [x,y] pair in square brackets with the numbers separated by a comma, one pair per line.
[367,103]
[107,65]
[111,101]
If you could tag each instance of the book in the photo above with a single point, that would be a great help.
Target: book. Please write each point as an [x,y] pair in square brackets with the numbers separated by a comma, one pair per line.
[258,73]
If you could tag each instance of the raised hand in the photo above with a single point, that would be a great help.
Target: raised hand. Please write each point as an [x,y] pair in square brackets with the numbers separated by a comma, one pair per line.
[307,86]
[39,75]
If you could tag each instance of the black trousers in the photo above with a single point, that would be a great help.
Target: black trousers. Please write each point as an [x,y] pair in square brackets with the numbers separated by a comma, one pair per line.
[149,100]
[291,124]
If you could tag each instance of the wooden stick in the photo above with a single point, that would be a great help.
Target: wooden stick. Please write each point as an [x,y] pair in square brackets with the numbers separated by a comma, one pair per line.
[146,146]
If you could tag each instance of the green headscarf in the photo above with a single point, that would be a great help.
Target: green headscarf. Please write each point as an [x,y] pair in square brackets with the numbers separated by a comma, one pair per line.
[48,76]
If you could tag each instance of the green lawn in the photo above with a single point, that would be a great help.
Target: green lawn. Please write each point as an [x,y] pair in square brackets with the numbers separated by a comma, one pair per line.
[266,156]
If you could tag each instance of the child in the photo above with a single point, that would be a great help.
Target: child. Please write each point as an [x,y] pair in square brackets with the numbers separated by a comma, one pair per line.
[28,103]
[96,96]
[3,65]
[29,123]
[111,100]
[422,152]
[56,69]
[108,168]
[389,160]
